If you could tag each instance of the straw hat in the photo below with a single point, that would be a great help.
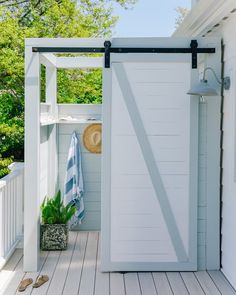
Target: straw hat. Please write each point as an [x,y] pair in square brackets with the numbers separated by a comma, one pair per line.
[92,138]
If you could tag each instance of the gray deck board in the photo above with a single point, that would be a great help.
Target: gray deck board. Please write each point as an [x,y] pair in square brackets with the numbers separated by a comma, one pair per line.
[206,283]
[48,268]
[162,283]
[34,275]
[7,273]
[89,267]
[58,280]
[177,284]
[117,284]
[14,282]
[76,266]
[77,271]
[147,283]
[102,286]
[132,285]
[221,283]
[192,283]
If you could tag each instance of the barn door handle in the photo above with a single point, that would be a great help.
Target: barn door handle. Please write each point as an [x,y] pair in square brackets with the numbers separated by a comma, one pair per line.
[194,46]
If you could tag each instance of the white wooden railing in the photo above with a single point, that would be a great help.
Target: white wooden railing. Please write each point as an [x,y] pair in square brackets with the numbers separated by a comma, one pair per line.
[11,211]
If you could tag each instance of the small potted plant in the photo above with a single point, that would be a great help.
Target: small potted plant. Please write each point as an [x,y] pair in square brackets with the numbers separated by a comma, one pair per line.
[54,229]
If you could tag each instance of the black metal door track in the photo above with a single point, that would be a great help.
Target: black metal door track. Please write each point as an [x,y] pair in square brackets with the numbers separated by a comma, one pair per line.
[108,49]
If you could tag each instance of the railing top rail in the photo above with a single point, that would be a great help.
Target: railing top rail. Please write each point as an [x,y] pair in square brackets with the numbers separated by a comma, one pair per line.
[16,170]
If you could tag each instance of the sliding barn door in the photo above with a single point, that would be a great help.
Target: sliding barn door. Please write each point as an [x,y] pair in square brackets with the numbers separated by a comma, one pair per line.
[149,176]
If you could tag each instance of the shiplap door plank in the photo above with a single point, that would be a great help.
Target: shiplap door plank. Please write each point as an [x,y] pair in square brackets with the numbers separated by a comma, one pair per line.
[58,281]
[117,285]
[102,279]
[132,285]
[147,284]
[76,265]
[206,283]
[221,282]
[34,275]
[6,272]
[162,284]
[176,283]
[48,269]
[88,273]
[192,283]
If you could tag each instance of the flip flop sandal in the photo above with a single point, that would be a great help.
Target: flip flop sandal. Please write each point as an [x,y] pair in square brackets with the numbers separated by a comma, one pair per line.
[40,281]
[24,284]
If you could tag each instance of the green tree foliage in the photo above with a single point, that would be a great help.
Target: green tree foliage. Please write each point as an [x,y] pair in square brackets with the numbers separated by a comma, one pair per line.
[20,19]
[12,140]
[4,163]
[88,83]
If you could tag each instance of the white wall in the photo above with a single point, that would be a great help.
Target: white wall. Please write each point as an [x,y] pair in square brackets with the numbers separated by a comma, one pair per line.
[229,156]
[91,163]
[202,191]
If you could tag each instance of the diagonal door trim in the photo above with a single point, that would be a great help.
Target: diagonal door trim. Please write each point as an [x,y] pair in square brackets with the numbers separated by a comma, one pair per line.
[149,159]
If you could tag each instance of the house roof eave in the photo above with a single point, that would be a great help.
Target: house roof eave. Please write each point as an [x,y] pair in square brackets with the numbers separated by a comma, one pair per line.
[205,16]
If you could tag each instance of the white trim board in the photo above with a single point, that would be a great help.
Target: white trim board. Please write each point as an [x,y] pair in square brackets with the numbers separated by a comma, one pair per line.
[79,62]
[65,42]
[48,59]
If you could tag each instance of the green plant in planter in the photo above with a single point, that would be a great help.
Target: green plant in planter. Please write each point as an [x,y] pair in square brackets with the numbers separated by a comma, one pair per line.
[54,212]
[54,229]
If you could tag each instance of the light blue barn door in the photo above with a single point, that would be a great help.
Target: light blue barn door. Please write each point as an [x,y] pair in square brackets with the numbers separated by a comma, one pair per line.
[149,170]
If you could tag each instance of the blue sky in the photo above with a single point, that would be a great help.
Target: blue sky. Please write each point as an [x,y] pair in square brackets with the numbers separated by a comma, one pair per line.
[148,18]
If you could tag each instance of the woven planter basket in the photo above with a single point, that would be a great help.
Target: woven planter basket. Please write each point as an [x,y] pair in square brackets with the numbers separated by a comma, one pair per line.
[54,236]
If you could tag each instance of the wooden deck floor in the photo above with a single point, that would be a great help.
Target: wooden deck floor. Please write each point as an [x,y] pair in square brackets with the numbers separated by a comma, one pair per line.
[76,271]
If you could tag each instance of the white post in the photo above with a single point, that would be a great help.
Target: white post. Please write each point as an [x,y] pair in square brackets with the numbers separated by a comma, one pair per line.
[51,97]
[32,160]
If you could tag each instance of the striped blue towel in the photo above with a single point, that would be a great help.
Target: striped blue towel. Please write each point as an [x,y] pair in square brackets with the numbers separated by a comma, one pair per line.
[74,187]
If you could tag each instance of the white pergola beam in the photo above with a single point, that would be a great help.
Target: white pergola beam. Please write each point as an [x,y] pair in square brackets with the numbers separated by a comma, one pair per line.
[65,42]
[79,62]
[48,59]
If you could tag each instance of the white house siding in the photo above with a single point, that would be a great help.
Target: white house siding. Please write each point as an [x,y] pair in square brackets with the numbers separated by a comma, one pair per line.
[229,156]
[202,187]
[225,21]
[226,31]
[91,163]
